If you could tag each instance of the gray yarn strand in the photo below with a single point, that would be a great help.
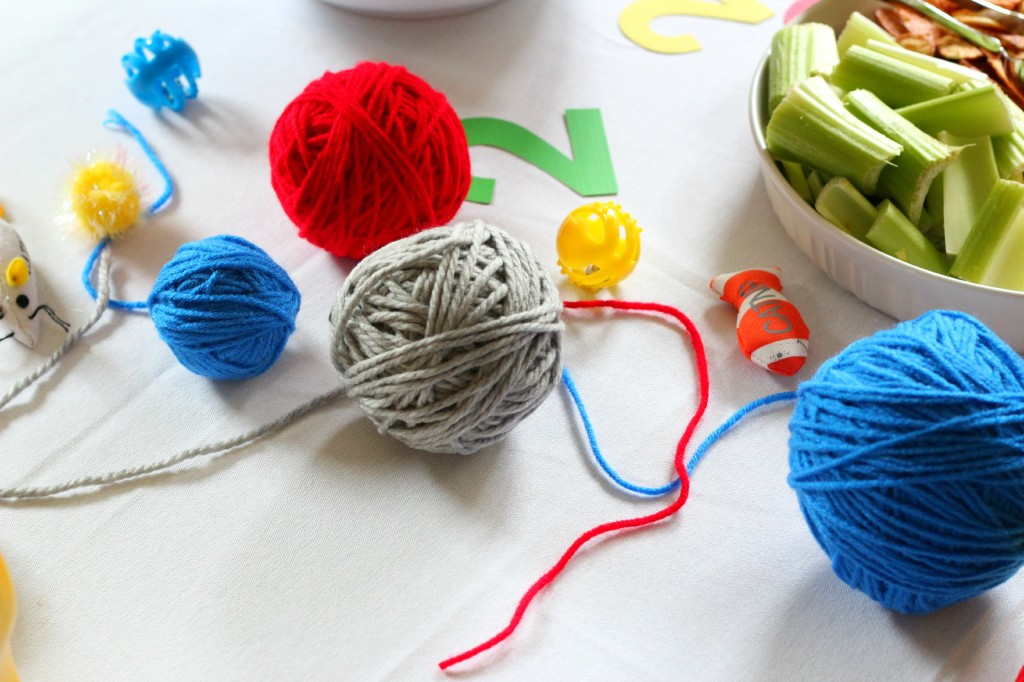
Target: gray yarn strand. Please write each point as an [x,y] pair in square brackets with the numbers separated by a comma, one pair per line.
[210,449]
[102,299]
[449,338]
[114,477]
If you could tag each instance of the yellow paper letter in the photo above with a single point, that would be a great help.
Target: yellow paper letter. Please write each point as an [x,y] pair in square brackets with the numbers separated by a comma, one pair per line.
[635,20]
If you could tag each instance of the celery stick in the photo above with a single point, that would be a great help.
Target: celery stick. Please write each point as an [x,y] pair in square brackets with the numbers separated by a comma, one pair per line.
[966,184]
[955,72]
[970,112]
[811,126]
[972,84]
[842,205]
[1009,148]
[933,204]
[992,254]
[894,234]
[895,82]
[794,173]
[859,30]
[926,224]
[815,184]
[1007,269]
[907,179]
[799,51]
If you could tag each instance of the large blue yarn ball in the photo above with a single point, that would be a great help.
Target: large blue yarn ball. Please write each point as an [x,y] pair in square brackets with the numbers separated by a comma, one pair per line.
[907,456]
[224,307]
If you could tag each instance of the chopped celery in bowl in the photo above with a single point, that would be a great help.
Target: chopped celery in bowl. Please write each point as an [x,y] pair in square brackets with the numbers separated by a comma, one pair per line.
[921,273]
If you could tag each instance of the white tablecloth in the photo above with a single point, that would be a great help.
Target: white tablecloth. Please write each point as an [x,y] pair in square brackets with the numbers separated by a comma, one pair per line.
[329,552]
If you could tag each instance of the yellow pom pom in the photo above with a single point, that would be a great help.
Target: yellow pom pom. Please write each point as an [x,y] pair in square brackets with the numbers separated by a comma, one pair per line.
[104,198]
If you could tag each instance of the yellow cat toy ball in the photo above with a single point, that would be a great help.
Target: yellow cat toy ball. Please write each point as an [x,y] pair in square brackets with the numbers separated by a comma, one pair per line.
[104,198]
[598,245]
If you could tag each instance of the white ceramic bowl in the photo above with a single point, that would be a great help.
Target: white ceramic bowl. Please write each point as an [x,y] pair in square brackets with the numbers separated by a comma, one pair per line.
[410,9]
[899,289]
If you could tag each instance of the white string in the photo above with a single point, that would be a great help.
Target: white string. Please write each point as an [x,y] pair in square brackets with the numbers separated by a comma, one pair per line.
[102,299]
[114,477]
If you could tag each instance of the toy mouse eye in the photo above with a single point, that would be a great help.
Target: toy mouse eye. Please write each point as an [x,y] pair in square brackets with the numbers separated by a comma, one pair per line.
[22,301]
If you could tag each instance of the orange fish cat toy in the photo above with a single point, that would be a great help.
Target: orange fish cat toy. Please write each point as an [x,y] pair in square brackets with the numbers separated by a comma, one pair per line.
[770,330]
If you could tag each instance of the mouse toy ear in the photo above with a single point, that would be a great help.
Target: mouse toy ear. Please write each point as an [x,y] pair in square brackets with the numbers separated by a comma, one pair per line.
[17,289]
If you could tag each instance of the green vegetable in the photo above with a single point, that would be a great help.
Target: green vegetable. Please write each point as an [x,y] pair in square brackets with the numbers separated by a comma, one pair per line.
[933,204]
[955,72]
[797,179]
[907,179]
[799,51]
[992,254]
[894,234]
[970,112]
[930,228]
[895,82]
[811,126]
[859,30]
[966,184]
[815,184]
[1009,148]
[941,146]
[842,205]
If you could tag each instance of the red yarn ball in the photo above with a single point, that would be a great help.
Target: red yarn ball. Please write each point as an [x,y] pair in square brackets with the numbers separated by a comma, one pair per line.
[366,156]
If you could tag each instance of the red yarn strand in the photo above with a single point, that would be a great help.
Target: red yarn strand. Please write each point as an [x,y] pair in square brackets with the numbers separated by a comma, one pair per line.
[679,462]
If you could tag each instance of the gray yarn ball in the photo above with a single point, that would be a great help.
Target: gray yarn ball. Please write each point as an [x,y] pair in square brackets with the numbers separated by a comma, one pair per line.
[449,338]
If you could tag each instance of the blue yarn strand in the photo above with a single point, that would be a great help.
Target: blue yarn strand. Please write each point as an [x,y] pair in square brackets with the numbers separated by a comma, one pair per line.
[116,119]
[905,454]
[728,424]
[695,458]
[612,475]
[90,265]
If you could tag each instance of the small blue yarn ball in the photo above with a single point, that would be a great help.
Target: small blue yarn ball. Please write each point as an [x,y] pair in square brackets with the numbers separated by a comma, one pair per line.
[224,307]
[907,457]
